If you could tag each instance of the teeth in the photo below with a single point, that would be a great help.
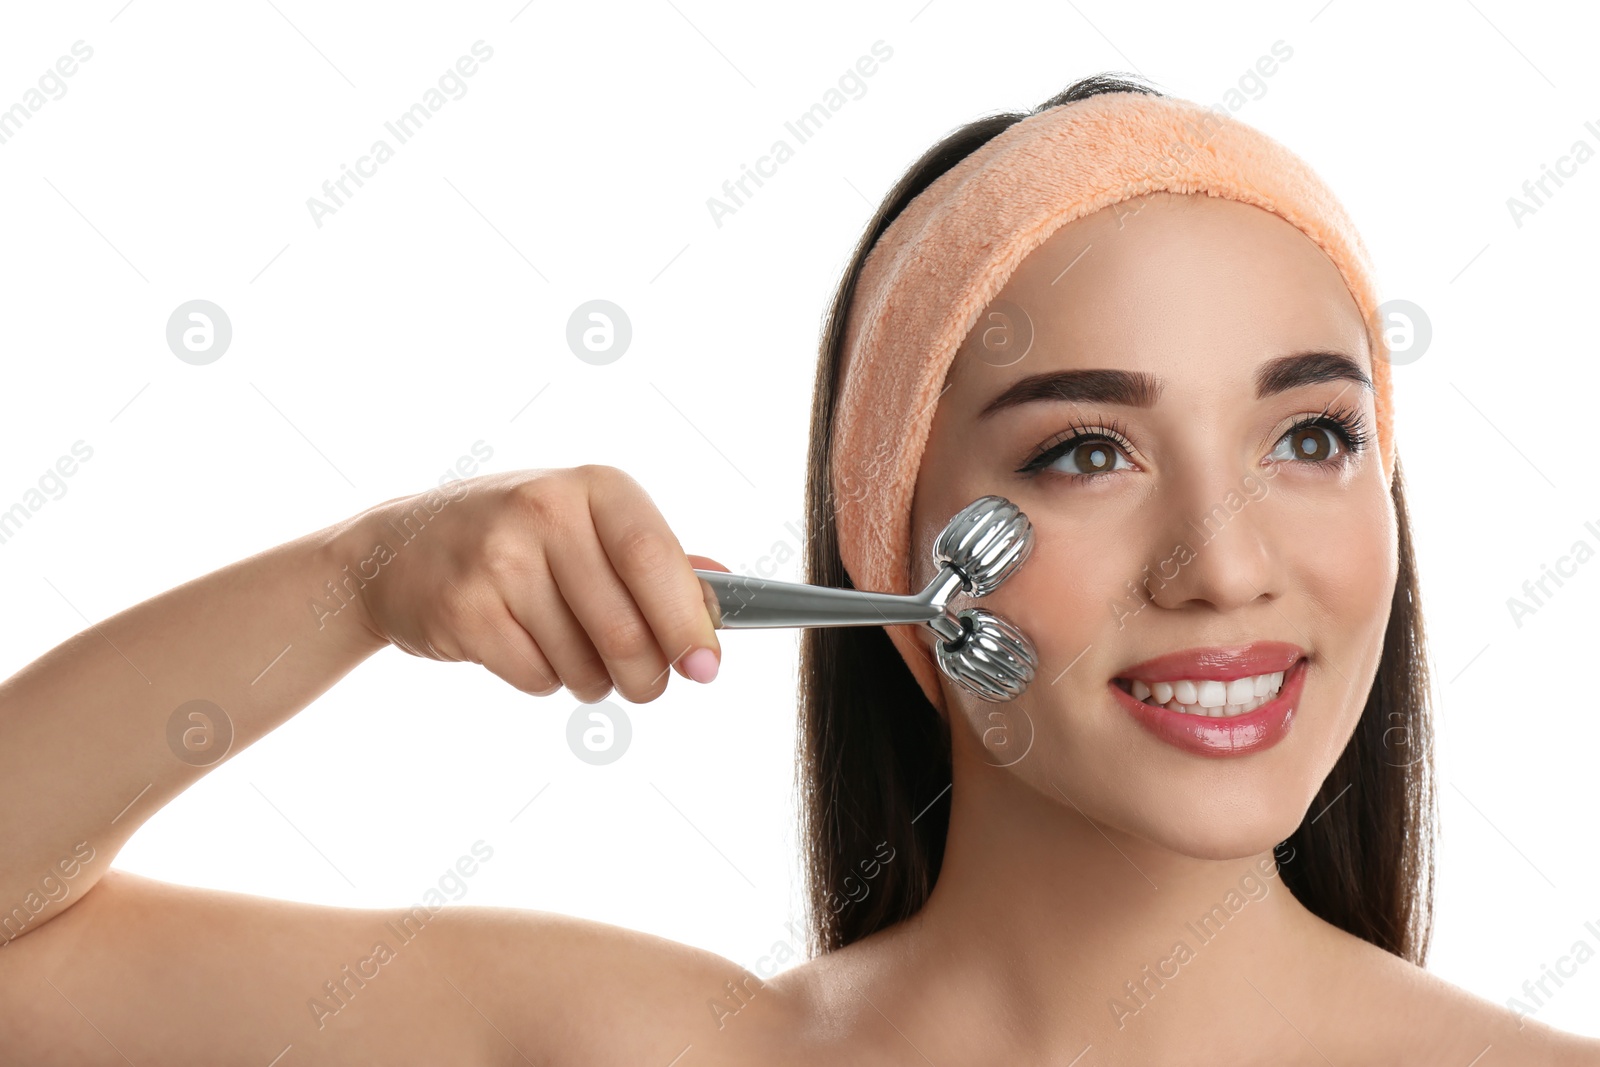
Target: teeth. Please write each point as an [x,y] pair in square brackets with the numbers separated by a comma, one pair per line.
[1210,697]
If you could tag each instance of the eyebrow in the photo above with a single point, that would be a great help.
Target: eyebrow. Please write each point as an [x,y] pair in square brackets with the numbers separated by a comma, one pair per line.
[1142,390]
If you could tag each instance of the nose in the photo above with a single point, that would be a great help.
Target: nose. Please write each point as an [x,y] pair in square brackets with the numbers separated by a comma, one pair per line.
[1219,539]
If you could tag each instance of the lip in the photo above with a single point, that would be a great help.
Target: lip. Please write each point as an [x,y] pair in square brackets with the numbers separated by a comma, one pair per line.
[1223,663]
[1240,735]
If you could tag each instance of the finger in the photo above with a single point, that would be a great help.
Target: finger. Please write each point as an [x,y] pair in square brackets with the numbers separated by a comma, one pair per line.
[534,599]
[492,637]
[646,556]
[600,600]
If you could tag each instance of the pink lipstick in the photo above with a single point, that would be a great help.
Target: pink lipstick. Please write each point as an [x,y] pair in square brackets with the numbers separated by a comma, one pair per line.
[1219,736]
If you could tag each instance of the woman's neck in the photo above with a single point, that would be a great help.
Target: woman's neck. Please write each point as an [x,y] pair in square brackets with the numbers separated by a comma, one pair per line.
[1075,932]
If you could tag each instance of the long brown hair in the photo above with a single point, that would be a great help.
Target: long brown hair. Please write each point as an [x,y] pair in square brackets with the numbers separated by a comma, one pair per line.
[874,756]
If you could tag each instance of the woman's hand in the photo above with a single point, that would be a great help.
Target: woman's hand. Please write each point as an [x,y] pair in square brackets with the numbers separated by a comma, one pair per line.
[549,578]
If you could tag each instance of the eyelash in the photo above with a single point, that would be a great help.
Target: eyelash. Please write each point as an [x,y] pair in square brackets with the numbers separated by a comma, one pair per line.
[1348,423]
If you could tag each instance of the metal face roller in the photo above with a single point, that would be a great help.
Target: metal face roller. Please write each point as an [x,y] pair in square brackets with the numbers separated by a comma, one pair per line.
[980,548]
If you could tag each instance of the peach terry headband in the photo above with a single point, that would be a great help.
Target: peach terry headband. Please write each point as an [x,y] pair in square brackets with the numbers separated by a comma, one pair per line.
[951,250]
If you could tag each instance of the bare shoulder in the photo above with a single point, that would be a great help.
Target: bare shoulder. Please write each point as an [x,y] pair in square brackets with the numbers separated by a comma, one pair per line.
[1434,1020]
[619,995]
[152,971]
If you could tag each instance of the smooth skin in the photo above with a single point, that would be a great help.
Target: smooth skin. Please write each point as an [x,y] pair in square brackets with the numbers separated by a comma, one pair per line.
[1068,870]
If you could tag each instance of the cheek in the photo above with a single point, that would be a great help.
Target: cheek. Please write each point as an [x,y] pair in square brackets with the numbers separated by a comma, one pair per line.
[1077,599]
[1346,573]
[1086,591]
[1343,561]
[1332,569]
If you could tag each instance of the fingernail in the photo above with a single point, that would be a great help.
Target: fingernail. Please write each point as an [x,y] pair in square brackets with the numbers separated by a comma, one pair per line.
[701,665]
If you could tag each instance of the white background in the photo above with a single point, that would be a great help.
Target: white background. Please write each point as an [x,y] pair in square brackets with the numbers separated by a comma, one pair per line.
[429,312]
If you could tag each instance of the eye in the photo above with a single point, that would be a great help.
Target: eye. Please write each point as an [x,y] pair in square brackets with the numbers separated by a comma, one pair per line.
[1088,456]
[1328,439]
[1082,453]
[1308,441]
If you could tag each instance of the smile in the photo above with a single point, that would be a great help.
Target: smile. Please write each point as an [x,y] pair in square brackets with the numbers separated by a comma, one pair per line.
[1216,702]
[1210,697]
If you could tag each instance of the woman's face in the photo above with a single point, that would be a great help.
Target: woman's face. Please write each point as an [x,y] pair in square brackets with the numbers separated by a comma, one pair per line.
[1217,513]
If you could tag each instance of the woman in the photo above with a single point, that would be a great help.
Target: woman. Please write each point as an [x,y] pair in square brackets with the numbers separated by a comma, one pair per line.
[1067,878]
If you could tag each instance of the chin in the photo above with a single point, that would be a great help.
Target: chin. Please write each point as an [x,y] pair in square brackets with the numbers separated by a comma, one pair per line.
[1210,833]
[1202,808]
[1205,808]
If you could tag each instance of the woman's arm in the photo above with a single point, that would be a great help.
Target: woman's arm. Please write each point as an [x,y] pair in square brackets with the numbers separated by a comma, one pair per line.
[100,732]
[549,579]
[147,972]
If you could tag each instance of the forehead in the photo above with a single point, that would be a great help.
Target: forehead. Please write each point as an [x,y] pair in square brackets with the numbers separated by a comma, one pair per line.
[1189,287]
